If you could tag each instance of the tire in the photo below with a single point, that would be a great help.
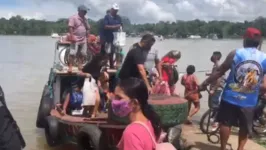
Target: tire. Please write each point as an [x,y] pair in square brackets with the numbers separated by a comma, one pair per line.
[204,117]
[89,137]
[174,136]
[44,108]
[52,131]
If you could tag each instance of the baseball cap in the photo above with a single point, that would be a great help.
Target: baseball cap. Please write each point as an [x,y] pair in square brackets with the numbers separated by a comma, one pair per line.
[115,6]
[252,33]
[83,8]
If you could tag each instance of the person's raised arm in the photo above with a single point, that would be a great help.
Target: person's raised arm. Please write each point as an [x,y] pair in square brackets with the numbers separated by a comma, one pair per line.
[225,66]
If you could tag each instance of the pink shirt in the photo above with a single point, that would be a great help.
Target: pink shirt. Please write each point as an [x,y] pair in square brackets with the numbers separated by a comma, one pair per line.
[136,137]
[166,72]
[80,27]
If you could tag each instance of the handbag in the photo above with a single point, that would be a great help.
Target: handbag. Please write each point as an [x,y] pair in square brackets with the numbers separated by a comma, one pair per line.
[158,146]
[119,38]
[174,76]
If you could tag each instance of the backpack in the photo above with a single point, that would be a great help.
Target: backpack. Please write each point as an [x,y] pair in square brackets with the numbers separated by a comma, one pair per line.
[159,146]
[174,77]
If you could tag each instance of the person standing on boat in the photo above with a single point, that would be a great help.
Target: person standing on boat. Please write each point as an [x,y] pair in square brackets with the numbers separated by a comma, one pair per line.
[239,100]
[133,65]
[112,23]
[78,32]
[94,70]
[101,33]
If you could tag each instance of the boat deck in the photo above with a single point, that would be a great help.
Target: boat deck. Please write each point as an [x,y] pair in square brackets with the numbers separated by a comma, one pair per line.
[75,71]
[100,120]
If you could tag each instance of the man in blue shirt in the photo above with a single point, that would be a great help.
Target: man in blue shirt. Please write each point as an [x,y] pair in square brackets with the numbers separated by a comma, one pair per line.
[101,32]
[112,23]
[238,101]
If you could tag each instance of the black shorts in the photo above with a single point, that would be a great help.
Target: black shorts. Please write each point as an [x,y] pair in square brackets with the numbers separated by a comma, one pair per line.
[232,115]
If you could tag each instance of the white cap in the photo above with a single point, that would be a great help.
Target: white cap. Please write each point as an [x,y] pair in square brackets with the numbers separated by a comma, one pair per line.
[115,6]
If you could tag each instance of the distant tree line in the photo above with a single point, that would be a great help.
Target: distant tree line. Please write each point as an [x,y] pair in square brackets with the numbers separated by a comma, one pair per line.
[179,29]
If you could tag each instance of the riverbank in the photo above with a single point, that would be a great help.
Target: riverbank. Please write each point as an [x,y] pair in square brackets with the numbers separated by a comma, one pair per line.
[200,142]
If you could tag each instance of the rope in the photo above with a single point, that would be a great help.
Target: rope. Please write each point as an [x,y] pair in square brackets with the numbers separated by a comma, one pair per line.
[51,81]
[196,71]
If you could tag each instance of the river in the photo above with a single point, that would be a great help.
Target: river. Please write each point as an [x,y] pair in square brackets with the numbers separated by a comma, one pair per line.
[25,62]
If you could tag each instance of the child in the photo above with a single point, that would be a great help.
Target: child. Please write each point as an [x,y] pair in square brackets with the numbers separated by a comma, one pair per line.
[216,88]
[73,100]
[191,84]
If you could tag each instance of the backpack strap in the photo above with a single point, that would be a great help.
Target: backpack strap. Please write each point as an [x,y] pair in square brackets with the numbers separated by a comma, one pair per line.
[147,128]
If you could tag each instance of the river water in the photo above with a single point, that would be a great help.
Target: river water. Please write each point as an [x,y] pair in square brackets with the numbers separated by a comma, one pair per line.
[25,62]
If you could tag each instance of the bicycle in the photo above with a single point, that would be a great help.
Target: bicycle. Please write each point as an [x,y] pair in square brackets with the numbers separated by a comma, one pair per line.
[210,115]
[259,122]
[63,49]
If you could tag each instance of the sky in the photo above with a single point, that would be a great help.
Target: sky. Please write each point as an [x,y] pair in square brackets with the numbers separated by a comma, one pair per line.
[139,11]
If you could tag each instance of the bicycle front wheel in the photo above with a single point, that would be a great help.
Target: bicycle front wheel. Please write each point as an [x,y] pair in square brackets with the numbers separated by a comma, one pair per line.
[207,122]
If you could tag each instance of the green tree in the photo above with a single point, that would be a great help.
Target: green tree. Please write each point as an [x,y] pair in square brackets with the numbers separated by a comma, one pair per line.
[179,29]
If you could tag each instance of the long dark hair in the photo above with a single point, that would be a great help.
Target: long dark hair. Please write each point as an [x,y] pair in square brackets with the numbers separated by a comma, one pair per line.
[135,88]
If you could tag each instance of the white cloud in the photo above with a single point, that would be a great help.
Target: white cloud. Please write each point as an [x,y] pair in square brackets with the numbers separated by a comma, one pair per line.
[141,11]
[35,15]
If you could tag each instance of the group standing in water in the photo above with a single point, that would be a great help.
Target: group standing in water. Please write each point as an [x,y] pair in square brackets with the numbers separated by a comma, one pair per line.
[239,93]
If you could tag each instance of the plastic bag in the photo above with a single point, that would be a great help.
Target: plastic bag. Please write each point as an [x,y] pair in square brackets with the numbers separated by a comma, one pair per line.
[119,38]
[89,92]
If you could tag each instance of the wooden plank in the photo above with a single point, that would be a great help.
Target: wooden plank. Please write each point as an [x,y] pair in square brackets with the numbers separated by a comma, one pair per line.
[64,71]
[75,70]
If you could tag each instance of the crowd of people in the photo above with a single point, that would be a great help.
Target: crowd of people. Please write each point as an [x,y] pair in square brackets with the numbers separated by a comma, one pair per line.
[131,87]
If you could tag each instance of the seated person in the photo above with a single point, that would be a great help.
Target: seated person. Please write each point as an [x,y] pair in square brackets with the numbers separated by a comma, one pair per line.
[91,95]
[74,99]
